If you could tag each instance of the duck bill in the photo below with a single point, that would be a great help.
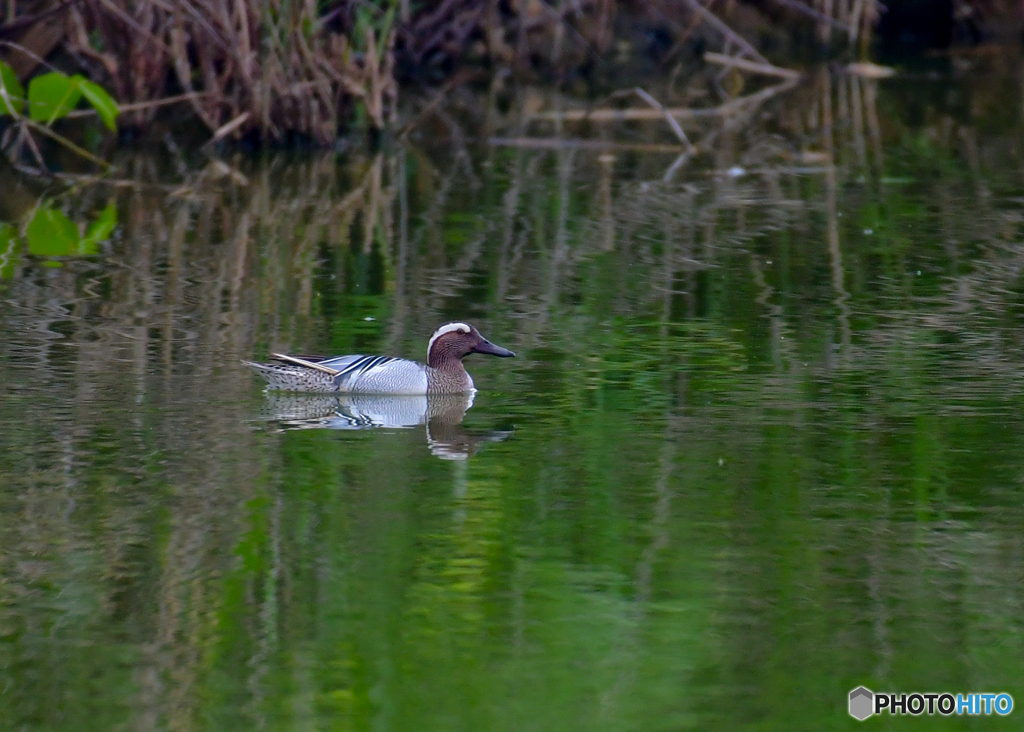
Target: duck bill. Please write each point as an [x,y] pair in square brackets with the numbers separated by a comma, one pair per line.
[485,346]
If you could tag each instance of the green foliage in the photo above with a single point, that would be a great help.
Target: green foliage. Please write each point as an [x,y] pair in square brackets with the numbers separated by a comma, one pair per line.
[51,233]
[102,102]
[52,96]
[101,229]
[14,91]
[8,244]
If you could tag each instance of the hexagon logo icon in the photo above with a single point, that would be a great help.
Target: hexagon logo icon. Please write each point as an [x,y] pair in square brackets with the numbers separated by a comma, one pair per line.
[862,702]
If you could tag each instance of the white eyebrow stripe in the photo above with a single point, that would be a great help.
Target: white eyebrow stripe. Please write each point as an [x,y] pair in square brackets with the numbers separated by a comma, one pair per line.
[447,328]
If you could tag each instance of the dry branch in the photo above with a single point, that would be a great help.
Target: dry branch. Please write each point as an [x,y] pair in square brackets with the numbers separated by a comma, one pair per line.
[672,123]
[550,143]
[279,68]
[274,67]
[678,113]
[758,68]
[817,15]
[731,37]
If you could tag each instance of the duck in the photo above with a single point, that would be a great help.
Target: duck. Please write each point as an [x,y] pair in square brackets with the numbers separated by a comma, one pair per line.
[442,374]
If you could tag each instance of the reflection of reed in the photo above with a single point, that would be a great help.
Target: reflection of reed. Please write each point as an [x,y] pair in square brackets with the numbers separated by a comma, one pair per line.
[134,358]
[832,213]
[257,281]
[193,283]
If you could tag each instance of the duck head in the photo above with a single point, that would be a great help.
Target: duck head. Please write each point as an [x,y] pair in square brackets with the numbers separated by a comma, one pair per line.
[454,341]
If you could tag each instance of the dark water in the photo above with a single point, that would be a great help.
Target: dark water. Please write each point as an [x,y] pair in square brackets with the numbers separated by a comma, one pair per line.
[763,442]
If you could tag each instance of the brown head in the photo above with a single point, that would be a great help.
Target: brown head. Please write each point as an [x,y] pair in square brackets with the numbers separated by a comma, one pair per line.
[454,341]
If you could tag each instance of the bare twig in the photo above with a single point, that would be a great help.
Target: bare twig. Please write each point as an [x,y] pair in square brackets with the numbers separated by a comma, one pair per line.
[665,113]
[549,143]
[817,15]
[742,113]
[136,26]
[731,36]
[30,141]
[15,25]
[855,19]
[677,113]
[66,143]
[759,68]
[226,129]
[458,80]
[166,101]
[115,182]
[40,61]
[869,70]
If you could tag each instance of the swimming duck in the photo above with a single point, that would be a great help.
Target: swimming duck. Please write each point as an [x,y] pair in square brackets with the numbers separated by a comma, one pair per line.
[443,373]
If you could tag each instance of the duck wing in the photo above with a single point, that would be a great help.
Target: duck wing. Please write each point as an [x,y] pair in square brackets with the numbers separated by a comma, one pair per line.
[344,366]
[353,366]
[378,375]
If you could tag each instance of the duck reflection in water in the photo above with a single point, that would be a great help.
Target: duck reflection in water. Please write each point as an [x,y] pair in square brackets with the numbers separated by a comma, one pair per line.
[442,415]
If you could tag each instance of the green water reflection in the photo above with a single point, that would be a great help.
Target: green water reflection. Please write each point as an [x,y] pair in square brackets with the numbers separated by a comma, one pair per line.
[762,443]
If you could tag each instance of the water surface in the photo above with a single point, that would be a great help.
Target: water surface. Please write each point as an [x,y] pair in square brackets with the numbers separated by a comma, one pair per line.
[762,442]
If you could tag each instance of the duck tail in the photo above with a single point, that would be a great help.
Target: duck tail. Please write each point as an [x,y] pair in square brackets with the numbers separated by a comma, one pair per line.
[305,363]
[290,378]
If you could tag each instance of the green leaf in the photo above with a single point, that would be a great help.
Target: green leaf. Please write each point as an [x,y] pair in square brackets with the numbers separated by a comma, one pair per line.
[52,96]
[8,243]
[102,102]
[99,230]
[15,91]
[51,233]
